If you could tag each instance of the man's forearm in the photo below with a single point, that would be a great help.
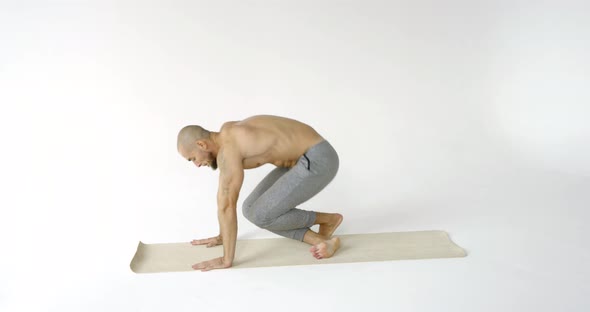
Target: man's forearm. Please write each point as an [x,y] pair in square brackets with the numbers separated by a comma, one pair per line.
[228,225]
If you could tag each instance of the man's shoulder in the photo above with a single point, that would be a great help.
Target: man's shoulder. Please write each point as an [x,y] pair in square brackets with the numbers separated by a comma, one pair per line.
[234,130]
[228,125]
[231,134]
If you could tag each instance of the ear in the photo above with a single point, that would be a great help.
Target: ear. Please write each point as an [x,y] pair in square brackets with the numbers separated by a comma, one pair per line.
[202,145]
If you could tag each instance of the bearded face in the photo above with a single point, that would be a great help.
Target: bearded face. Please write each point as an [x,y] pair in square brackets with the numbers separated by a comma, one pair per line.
[200,158]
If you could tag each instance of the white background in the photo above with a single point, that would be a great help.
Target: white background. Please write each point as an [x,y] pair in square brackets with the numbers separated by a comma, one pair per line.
[464,116]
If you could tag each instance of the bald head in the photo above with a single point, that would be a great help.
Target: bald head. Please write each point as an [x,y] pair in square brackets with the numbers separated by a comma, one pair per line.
[189,135]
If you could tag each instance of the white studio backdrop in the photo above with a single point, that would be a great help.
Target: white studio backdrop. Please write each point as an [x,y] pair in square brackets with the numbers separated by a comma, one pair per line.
[440,111]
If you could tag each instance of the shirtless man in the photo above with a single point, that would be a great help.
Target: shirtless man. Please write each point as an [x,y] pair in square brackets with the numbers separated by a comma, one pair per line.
[305,162]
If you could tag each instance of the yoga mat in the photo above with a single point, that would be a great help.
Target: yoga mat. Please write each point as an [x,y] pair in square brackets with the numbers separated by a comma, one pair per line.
[250,253]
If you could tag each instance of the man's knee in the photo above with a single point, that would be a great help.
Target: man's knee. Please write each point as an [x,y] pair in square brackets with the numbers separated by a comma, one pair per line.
[256,215]
[247,210]
[248,203]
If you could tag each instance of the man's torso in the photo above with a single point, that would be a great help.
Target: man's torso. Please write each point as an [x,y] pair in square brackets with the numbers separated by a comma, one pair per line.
[269,139]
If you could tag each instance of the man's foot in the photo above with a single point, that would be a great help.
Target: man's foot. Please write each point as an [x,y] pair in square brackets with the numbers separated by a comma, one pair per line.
[328,228]
[326,248]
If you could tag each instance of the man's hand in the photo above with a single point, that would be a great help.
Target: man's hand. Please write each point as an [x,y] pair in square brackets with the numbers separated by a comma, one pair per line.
[213,264]
[210,242]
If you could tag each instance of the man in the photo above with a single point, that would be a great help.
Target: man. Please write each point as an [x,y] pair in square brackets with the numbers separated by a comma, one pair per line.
[305,162]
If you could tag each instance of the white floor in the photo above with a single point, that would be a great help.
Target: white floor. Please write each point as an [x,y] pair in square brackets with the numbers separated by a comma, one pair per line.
[523,230]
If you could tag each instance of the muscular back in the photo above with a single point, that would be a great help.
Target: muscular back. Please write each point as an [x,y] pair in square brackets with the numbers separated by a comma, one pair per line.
[269,139]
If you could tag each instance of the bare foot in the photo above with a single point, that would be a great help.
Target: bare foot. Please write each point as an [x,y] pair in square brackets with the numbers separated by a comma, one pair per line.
[327,229]
[326,248]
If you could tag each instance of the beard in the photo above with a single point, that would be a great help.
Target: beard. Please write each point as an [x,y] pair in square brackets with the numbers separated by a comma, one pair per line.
[214,164]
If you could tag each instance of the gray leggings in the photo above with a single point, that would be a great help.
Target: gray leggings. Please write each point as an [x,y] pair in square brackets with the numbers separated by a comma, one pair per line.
[272,203]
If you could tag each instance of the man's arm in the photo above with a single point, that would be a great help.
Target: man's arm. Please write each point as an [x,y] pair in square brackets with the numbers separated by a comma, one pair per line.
[231,177]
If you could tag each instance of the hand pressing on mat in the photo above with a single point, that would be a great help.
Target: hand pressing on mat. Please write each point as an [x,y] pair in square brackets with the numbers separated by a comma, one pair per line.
[217,263]
[210,242]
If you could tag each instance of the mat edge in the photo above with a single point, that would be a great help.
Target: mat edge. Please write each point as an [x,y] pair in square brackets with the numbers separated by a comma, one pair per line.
[133,263]
[455,245]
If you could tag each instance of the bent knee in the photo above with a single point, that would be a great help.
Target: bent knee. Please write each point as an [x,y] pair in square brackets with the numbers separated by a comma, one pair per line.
[247,210]
[256,216]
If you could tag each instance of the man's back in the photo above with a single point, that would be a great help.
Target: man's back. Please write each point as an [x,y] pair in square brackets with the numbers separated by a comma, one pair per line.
[269,139]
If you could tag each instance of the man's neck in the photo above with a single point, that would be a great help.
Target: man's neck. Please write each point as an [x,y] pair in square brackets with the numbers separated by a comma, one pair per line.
[214,137]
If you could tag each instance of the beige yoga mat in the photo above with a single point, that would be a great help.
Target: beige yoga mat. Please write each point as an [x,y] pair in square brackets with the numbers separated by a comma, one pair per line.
[250,253]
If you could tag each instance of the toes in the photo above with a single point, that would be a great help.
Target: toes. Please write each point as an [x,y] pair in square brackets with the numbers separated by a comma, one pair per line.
[319,250]
[315,253]
[318,254]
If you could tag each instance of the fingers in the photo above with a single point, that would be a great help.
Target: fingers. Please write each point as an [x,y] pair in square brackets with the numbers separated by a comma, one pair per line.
[213,243]
[208,268]
[197,242]
[199,266]
[205,266]
[211,265]
[201,241]
[210,242]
